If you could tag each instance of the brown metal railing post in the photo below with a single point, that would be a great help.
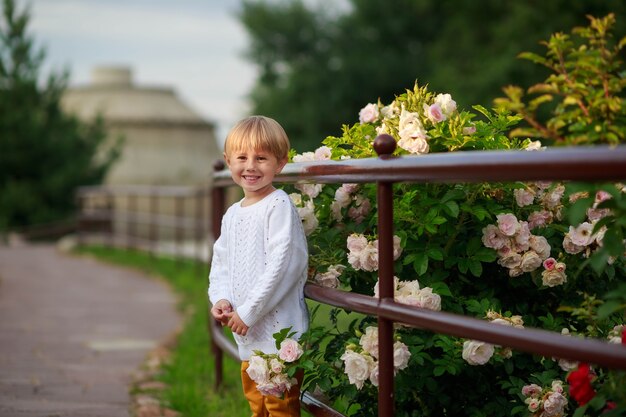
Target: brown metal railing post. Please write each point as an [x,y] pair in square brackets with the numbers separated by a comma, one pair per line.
[218,206]
[384,146]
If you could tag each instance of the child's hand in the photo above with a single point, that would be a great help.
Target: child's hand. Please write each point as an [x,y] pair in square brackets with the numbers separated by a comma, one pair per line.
[237,325]
[222,311]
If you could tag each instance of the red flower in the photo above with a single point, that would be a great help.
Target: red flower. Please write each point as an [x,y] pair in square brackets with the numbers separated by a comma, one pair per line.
[580,387]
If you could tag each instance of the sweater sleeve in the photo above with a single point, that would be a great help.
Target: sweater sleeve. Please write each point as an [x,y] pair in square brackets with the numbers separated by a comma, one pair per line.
[286,260]
[218,275]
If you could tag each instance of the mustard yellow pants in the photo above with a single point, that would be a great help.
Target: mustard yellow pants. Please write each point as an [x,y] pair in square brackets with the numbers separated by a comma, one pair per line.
[270,406]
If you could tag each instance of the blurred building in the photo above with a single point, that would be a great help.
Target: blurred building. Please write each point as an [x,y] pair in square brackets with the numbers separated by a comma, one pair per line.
[157,194]
[165,141]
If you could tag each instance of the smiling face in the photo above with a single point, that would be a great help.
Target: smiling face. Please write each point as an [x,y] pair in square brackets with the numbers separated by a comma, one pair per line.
[254,171]
[256,150]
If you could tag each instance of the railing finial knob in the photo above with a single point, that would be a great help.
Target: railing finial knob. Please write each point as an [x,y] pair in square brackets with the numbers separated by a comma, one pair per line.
[219,165]
[384,145]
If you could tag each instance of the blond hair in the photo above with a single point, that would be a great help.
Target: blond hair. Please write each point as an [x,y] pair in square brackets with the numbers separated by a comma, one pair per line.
[258,133]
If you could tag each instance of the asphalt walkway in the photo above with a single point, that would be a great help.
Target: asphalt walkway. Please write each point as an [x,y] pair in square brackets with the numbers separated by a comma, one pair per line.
[73,331]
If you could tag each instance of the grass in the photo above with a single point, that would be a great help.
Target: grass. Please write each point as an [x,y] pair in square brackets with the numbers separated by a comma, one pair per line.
[189,374]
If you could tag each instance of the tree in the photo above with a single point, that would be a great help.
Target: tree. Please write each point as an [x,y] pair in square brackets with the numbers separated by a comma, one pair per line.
[44,153]
[318,67]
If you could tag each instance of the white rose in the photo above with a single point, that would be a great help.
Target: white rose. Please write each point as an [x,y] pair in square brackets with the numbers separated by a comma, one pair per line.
[304,157]
[296,198]
[581,235]
[530,261]
[429,300]
[369,341]
[369,113]
[258,370]
[552,278]
[540,245]
[307,215]
[374,375]
[476,352]
[554,404]
[512,260]
[401,355]
[358,367]
[417,145]
[448,106]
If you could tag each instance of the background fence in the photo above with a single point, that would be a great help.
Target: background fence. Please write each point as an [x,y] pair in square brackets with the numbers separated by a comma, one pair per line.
[580,163]
[170,220]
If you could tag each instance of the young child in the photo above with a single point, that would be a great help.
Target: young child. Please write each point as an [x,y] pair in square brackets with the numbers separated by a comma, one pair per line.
[260,260]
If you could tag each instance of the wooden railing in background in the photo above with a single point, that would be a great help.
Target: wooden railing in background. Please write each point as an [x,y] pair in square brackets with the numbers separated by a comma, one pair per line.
[581,163]
[168,220]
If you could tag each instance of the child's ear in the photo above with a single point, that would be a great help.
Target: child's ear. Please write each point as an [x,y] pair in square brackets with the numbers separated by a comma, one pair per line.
[226,159]
[281,165]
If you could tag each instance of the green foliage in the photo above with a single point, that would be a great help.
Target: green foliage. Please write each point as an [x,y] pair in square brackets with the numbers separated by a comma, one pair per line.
[44,153]
[584,91]
[320,65]
[560,265]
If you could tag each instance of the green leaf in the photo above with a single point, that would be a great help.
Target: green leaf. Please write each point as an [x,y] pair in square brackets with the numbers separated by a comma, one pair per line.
[608,308]
[451,208]
[475,267]
[577,212]
[435,253]
[420,264]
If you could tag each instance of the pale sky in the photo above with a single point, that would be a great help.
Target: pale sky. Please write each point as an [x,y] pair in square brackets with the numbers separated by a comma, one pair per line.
[193,46]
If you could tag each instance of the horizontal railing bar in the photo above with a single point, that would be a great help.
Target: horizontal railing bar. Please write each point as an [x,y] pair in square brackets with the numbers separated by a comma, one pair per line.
[542,342]
[141,190]
[596,163]
[317,407]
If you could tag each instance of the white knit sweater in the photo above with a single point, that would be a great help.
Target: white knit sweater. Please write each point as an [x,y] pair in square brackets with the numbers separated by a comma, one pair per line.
[260,266]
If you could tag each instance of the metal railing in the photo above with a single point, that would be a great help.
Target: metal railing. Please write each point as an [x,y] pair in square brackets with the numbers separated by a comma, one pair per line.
[581,163]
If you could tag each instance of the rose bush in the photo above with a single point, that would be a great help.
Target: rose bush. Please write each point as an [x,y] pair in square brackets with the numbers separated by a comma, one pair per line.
[543,255]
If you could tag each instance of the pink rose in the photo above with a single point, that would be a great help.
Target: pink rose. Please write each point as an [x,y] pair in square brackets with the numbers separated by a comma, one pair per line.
[469,130]
[290,350]
[322,153]
[531,390]
[539,219]
[549,264]
[369,113]
[493,238]
[356,243]
[570,247]
[523,197]
[508,224]
[434,113]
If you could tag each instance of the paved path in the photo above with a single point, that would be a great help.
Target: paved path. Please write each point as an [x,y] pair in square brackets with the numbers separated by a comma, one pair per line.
[73,331]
